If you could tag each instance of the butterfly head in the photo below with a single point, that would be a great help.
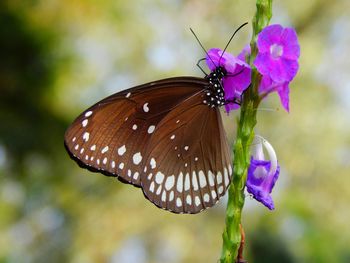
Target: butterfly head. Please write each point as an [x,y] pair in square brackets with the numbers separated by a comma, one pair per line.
[215,94]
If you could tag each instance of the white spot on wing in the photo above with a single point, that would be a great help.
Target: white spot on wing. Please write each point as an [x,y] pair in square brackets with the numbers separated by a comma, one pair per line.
[81,150]
[219,178]
[170,182]
[178,202]
[220,189]
[159,190]
[189,200]
[196,159]
[128,95]
[86,136]
[121,166]
[104,160]
[179,184]
[113,164]
[187,182]
[206,198]
[151,129]
[129,173]
[159,177]
[151,187]
[153,163]
[88,113]
[230,170]
[227,181]
[73,140]
[105,149]
[164,196]
[76,147]
[194,181]
[171,196]
[134,127]
[122,150]
[213,194]
[172,137]
[197,201]
[85,122]
[145,107]
[136,175]
[137,158]
[211,178]
[93,147]
[202,179]
[186,148]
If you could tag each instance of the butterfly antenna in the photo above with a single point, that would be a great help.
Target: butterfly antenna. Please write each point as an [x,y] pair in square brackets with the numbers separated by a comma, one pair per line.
[202,46]
[228,43]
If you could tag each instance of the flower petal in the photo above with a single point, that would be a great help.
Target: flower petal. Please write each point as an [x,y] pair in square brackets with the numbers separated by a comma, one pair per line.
[231,106]
[227,61]
[291,67]
[272,155]
[266,85]
[283,92]
[282,70]
[261,187]
[263,63]
[238,82]
[289,41]
[269,36]
[257,148]
[212,59]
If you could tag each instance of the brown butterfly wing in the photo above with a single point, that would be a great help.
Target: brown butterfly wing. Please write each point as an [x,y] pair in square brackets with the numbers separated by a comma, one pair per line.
[160,136]
[111,136]
[188,165]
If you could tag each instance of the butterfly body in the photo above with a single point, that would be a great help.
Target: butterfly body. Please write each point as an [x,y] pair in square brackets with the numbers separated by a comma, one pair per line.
[161,137]
[215,93]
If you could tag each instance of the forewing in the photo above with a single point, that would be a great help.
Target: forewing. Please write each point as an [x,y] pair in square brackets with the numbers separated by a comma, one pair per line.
[112,136]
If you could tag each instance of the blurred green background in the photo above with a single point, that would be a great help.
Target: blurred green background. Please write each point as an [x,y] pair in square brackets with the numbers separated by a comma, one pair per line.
[59,57]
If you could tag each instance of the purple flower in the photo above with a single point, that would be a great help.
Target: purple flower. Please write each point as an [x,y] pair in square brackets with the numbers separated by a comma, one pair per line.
[278,54]
[238,75]
[263,174]
[277,60]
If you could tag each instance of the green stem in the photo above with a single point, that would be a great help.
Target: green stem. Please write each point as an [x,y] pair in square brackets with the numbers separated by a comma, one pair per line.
[245,134]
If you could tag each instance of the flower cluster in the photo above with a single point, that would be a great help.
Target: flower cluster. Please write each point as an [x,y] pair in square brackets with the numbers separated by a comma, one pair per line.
[277,63]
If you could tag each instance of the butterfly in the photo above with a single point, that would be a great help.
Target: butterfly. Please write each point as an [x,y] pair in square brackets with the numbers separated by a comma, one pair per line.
[166,137]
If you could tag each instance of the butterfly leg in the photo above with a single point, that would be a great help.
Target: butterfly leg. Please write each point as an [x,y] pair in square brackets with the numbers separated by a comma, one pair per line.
[235,100]
[199,66]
